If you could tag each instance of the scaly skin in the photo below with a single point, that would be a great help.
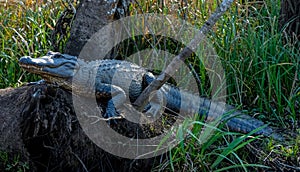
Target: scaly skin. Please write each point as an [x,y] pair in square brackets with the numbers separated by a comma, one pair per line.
[64,70]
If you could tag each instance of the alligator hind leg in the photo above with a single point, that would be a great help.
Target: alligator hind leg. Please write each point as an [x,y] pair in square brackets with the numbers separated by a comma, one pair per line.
[156,105]
[148,78]
[157,100]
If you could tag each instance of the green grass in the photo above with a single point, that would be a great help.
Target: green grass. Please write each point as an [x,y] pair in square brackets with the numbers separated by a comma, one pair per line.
[208,148]
[25,29]
[258,64]
[8,163]
[261,72]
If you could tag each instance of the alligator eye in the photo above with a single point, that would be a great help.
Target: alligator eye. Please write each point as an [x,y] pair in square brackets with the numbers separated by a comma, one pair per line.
[50,53]
[57,55]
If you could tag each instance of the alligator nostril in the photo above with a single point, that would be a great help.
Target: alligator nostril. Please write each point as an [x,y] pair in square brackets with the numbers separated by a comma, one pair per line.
[24,59]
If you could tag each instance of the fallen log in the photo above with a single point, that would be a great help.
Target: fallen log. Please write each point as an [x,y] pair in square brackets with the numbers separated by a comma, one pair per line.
[39,126]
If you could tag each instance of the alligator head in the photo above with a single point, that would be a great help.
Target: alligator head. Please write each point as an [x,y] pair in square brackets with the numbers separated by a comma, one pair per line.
[53,67]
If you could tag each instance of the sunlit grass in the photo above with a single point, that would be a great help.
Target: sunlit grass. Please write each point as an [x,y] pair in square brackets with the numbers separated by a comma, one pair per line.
[25,29]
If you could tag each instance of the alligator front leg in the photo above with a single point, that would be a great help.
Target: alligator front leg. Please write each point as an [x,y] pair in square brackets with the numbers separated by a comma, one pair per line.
[117,94]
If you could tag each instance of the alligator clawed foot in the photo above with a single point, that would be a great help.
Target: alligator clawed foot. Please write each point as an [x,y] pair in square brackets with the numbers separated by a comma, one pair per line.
[155,110]
[156,105]
[147,107]
[37,96]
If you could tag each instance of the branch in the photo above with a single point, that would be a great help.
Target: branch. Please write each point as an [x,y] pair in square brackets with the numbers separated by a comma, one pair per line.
[182,56]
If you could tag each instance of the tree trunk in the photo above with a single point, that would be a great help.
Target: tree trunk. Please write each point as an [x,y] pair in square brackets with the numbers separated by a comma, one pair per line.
[290,18]
[43,131]
[90,17]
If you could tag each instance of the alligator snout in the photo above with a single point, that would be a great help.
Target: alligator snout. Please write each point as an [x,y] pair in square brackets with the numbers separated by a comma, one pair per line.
[25,60]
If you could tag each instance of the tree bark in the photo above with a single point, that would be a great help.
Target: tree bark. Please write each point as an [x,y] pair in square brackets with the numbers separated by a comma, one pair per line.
[90,17]
[11,142]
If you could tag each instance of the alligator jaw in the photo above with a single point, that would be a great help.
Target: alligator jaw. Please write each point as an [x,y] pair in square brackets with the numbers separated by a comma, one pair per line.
[52,65]
[30,68]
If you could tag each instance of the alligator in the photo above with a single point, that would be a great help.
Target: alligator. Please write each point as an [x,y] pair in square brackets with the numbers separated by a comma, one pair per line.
[72,73]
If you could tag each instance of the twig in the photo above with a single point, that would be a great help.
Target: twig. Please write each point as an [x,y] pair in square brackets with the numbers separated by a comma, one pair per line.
[81,162]
[184,54]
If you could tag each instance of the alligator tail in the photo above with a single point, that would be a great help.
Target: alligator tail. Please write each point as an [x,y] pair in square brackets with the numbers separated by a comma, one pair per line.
[243,123]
